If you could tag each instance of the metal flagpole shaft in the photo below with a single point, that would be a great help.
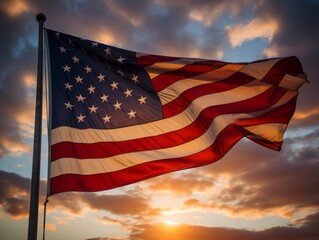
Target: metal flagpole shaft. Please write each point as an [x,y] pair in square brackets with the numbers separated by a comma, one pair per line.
[35,181]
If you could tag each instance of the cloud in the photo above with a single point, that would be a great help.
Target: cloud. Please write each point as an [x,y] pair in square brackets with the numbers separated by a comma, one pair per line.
[209,12]
[256,28]
[17,63]
[306,230]
[296,20]
[142,26]
[14,193]
[15,7]
[188,184]
[305,118]
[107,238]
[14,200]
[257,182]
[163,27]
[77,204]
[117,204]
[295,36]
[310,220]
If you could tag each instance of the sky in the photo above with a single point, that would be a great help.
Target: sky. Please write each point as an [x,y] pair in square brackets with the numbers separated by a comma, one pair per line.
[251,193]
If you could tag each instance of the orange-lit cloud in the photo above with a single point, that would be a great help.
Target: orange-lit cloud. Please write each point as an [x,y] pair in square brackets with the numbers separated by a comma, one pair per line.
[125,13]
[189,184]
[249,182]
[256,28]
[306,230]
[16,7]
[209,12]
[50,227]
[14,193]
[279,185]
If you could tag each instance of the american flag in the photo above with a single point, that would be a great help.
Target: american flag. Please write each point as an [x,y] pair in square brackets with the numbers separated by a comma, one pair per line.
[118,117]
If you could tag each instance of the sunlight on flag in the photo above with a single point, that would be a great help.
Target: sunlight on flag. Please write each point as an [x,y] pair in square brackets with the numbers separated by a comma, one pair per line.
[118,117]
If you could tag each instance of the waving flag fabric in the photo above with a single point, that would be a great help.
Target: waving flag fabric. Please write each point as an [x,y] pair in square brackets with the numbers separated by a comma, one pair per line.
[118,117]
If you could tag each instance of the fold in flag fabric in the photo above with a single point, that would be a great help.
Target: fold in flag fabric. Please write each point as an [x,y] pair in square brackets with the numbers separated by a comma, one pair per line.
[118,116]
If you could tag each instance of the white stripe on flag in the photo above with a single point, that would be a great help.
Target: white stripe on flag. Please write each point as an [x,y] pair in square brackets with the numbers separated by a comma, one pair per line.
[174,90]
[122,161]
[166,125]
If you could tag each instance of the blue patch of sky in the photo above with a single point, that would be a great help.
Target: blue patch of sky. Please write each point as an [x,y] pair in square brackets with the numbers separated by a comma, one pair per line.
[229,19]
[196,30]
[17,51]
[300,132]
[248,51]
[156,9]
[19,165]
[140,35]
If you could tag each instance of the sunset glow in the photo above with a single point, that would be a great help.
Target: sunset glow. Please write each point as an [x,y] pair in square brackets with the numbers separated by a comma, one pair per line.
[251,193]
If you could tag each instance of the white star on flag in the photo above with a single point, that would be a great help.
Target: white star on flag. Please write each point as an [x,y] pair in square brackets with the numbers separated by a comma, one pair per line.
[93,109]
[91,89]
[128,93]
[114,85]
[142,100]
[131,114]
[106,118]
[101,77]
[117,105]
[80,98]
[88,69]
[66,68]
[78,79]
[62,49]
[134,79]
[163,118]
[121,59]
[76,59]
[107,51]
[68,105]
[104,98]
[81,118]
[68,86]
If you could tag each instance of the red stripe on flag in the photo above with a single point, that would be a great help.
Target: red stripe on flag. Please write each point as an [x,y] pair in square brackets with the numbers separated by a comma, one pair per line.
[184,99]
[148,60]
[163,80]
[175,138]
[104,181]
[289,65]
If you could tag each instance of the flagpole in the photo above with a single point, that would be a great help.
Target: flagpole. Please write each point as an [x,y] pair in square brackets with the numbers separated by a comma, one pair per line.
[35,181]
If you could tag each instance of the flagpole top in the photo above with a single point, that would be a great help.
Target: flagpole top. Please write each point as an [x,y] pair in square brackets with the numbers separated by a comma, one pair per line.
[41,17]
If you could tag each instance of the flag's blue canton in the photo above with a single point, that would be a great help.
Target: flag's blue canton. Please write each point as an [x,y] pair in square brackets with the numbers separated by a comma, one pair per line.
[98,86]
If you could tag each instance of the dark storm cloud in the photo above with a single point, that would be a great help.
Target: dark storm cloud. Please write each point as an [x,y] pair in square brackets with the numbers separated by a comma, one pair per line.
[140,25]
[297,36]
[160,27]
[17,60]
[14,200]
[75,203]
